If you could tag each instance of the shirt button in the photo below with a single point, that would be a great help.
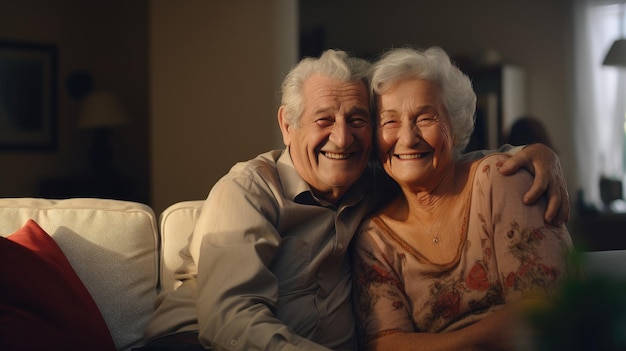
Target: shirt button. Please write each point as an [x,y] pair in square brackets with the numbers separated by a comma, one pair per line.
[340,246]
[233,342]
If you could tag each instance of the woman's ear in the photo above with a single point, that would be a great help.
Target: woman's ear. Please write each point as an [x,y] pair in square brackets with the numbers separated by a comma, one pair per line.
[284,125]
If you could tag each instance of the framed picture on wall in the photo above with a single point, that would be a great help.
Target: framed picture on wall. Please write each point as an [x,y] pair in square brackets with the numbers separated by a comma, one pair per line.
[28,96]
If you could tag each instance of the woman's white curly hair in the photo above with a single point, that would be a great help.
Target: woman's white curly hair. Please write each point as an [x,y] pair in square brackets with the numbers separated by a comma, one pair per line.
[434,65]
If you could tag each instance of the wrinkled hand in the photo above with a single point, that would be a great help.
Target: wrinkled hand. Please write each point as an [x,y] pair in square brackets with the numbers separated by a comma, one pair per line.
[505,329]
[544,164]
[500,331]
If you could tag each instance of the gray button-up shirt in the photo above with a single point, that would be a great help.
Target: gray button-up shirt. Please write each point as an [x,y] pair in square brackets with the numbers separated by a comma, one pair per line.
[266,266]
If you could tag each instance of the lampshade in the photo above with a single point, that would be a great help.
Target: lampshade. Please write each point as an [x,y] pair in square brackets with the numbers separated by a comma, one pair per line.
[617,54]
[101,109]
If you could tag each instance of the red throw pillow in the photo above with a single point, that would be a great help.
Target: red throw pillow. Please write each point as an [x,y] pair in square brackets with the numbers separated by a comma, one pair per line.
[43,303]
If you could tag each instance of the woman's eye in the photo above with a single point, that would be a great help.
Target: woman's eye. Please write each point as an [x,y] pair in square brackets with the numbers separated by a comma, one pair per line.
[426,120]
[389,123]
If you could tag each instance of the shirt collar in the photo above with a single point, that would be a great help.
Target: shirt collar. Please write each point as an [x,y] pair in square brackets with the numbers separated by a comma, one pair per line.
[299,191]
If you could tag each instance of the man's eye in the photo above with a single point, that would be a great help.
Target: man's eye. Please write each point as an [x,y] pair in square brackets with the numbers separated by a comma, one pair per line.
[359,122]
[324,122]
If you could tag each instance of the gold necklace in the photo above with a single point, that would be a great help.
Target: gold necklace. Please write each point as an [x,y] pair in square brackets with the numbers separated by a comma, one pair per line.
[430,230]
[435,237]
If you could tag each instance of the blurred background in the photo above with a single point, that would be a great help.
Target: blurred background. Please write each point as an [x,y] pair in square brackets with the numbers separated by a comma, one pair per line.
[154,100]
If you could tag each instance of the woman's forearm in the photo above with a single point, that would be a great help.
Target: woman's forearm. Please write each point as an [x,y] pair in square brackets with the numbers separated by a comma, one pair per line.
[498,331]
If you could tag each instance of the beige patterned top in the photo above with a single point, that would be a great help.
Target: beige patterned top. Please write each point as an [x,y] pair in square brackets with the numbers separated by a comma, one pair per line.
[506,251]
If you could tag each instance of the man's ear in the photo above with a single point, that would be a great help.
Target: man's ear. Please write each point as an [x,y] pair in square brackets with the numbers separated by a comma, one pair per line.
[285,127]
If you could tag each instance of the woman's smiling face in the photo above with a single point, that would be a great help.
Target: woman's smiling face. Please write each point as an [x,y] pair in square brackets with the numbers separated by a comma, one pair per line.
[414,137]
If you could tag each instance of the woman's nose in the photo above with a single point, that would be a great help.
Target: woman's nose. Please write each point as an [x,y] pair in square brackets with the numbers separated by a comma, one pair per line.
[409,133]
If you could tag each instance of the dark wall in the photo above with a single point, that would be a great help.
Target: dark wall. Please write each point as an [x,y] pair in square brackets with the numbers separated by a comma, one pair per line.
[107,40]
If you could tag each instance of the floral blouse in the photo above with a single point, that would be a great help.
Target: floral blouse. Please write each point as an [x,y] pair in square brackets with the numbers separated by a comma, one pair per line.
[508,252]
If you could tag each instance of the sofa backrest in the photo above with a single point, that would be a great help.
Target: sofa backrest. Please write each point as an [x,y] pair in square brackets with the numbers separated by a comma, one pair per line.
[113,247]
[175,225]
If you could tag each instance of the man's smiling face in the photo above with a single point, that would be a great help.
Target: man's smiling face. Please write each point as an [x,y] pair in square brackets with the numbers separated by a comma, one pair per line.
[331,143]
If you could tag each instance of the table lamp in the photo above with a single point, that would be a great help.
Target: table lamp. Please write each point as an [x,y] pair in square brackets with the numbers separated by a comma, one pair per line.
[101,112]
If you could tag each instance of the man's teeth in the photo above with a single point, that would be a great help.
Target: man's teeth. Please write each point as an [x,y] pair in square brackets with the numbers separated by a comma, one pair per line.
[410,157]
[336,156]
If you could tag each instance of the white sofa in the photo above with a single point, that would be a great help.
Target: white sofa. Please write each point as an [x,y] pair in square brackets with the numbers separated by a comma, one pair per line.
[125,255]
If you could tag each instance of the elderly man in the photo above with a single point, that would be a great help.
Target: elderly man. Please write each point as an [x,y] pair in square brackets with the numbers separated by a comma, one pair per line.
[266,266]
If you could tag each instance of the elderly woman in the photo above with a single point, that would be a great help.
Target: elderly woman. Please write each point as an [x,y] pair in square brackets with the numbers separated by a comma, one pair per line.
[456,245]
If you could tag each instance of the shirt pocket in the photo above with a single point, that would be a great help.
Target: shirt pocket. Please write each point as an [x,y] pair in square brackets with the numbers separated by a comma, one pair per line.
[297,287]
[292,265]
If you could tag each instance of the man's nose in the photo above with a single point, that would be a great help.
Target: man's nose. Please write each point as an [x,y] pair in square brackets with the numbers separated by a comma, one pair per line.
[341,135]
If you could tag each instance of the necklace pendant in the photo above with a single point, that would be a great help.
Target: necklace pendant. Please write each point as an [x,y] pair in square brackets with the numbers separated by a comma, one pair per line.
[435,240]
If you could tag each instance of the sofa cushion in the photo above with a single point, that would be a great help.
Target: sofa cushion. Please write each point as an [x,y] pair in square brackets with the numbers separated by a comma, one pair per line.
[43,303]
[113,247]
[176,224]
